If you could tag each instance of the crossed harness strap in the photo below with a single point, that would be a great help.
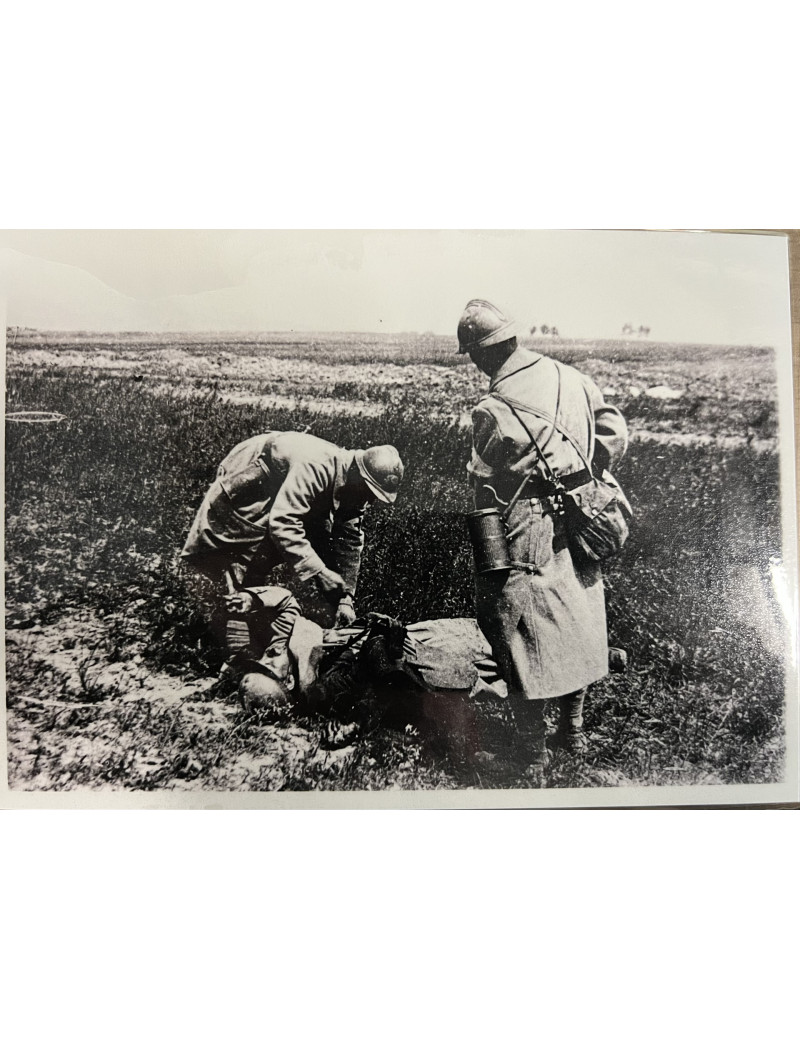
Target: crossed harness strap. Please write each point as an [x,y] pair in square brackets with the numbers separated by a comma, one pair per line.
[551,484]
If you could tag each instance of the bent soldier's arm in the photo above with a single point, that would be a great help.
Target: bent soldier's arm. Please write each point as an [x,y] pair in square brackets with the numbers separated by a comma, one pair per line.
[611,431]
[304,484]
[492,451]
[274,605]
[611,437]
[279,607]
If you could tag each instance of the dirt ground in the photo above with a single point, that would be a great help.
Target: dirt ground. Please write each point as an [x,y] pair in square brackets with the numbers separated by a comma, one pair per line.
[87,692]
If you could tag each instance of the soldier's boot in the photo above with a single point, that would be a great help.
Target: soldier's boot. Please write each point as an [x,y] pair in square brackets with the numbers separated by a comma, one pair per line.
[532,748]
[570,736]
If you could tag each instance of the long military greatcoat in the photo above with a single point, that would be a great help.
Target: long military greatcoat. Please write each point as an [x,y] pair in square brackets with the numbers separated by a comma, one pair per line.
[280,497]
[547,628]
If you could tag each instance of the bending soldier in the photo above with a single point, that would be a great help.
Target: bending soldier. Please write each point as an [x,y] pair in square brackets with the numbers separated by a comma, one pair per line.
[296,499]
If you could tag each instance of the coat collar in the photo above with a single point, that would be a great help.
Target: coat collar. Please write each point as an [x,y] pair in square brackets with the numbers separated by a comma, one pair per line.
[521,358]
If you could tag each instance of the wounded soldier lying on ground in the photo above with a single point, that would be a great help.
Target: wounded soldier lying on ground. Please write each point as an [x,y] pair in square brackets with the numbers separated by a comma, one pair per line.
[358,674]
[440,674]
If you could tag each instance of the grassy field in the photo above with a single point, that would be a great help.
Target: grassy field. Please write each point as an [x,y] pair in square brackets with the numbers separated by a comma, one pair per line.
[110,665]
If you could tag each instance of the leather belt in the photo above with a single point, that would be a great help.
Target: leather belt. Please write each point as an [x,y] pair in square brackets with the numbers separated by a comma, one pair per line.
[540,487]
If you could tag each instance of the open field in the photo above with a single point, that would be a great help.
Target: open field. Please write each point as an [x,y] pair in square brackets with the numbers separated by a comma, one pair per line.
[110,666]
[717,391]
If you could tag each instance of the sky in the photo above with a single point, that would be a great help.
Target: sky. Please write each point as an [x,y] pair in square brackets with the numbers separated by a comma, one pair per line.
[685,286]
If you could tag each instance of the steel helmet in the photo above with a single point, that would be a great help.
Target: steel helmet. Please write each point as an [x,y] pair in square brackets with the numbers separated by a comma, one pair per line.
[483,325]
[382,469]
[257,690]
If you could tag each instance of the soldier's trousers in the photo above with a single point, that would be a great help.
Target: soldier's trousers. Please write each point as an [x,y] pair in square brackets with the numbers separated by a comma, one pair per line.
[529,717]
[230,572]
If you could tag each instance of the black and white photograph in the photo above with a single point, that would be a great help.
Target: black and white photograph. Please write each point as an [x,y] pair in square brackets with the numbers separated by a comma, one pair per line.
[399,519]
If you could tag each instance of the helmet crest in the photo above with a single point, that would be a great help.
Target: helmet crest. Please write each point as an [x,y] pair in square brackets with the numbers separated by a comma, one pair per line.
[483,325]
[382,469]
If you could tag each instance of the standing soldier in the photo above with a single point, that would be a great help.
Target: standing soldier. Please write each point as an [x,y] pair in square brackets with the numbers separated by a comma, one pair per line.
[545,619]
[296,499]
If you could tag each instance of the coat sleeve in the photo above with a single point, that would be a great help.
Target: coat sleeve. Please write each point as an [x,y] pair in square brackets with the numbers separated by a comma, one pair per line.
[347,544]
[304,484]
[610,431]
[490,452]
[610,435]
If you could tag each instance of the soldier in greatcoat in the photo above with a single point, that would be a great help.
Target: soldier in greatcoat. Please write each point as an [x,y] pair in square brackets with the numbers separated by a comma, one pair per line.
[286,497]
[546,619]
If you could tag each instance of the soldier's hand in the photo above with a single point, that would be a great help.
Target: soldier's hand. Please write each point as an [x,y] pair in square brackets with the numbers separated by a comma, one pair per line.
[345,613]
[330,582]
[240,602]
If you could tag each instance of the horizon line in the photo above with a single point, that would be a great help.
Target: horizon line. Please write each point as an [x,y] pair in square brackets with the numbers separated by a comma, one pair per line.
[528,338]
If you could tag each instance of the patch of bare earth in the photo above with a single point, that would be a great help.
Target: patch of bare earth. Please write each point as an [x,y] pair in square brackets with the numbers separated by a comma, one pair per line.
[78,717]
